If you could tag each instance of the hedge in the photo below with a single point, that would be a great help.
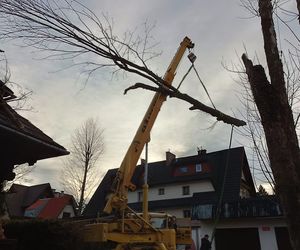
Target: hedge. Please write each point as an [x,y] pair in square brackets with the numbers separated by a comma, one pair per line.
[45,234]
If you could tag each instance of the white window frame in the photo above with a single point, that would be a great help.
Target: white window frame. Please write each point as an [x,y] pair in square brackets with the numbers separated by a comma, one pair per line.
[198,167]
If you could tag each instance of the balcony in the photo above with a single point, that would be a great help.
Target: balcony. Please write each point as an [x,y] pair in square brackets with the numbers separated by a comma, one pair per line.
[267,206]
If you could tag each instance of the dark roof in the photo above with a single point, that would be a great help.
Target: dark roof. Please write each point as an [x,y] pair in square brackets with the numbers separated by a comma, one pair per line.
[5,92]
[19,197]
[160,174]
[97,202]
[34,192]
[21,141]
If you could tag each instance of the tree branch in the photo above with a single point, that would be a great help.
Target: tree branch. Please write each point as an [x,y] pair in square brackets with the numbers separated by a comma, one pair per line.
[196,105]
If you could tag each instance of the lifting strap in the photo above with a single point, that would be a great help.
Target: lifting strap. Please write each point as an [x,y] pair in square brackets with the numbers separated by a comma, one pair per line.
[192,59]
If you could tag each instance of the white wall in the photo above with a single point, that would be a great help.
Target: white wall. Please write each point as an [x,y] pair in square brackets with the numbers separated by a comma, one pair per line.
[173,191]
[266,229]
[67,209]
[178,212]
[267,237]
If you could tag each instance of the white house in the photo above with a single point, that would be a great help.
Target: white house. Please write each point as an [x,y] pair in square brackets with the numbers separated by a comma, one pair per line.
[199,186]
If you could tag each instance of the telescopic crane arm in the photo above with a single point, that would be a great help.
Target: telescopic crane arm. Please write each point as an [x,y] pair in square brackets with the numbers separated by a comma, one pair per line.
[122,182]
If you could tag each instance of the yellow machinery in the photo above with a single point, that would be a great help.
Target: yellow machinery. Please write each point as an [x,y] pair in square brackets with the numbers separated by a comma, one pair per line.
[129,230]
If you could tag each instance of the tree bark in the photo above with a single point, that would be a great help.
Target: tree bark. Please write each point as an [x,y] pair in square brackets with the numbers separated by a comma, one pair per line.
[278,123]
[298,7]
[196,105]
[80,206]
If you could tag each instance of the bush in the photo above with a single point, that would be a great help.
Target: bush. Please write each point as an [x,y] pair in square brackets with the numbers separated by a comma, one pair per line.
[44,234]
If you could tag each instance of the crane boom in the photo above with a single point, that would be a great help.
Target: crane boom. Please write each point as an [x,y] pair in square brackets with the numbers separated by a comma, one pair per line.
[122,182]
[127,229]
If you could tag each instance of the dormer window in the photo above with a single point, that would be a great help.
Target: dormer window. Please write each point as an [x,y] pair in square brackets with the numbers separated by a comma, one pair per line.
[198,168]
[183,169]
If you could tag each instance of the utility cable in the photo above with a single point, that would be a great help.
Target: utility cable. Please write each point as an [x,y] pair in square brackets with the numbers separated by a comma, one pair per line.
[219,206]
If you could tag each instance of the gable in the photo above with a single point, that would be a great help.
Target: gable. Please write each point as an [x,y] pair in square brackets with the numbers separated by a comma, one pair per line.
[54,207]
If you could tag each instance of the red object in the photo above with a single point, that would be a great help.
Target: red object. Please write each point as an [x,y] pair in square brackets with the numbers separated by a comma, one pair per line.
[37,204]
[53,207]
[266,228]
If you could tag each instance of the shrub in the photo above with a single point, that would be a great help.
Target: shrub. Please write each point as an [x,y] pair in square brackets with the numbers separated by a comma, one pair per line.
[45,234]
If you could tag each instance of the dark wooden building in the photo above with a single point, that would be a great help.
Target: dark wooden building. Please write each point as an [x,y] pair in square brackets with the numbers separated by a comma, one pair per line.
[20,141]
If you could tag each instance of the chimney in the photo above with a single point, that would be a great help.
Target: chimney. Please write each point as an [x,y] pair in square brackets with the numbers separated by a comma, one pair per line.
[170,157]
[58,194]
[201,151]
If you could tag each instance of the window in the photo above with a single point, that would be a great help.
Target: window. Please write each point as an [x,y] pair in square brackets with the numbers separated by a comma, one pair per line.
[198,167]
[183,169]
[187,213]
[66,215]
[186,190]
[140,196]
[161,191]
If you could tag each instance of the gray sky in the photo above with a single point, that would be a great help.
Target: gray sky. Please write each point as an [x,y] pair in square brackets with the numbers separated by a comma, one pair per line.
[62,101]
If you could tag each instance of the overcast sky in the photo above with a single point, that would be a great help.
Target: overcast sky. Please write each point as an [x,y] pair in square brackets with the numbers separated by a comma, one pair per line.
[62,101]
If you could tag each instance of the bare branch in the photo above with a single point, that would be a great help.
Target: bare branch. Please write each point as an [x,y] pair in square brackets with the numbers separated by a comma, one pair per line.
[80,173]
[65,27]
[196,105]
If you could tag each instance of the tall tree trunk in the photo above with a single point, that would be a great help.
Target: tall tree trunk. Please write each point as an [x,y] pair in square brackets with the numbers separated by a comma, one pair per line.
[80,206]
[298,7]
[278,123]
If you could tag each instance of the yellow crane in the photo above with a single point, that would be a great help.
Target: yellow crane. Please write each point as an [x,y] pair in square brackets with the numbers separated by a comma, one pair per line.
[128,229]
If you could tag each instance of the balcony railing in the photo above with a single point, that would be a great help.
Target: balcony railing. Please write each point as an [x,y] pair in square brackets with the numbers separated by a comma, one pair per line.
[243,208]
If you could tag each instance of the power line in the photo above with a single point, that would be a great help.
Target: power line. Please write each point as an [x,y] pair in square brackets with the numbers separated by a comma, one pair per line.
[219,206]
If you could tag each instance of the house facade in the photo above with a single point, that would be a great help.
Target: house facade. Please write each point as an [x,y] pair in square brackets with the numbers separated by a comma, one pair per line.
[216,191]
